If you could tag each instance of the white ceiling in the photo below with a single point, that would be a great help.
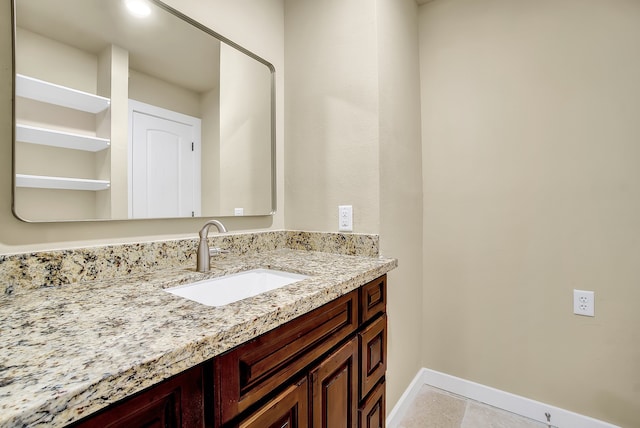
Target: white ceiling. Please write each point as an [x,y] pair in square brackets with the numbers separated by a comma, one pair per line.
[161,45]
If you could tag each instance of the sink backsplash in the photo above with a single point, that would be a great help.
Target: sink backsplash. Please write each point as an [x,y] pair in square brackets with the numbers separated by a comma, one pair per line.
[56,268]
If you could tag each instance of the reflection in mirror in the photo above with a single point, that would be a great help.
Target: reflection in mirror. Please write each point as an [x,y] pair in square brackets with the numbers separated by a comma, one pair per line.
[119,116]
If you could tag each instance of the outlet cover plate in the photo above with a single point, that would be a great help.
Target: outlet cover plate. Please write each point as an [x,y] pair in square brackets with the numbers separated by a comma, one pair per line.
[345,218]
[583,303]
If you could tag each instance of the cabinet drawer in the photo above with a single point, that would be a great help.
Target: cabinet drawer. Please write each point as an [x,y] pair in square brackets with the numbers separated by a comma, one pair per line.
[248,373]
[287,410]
[373,355]
[373,299]
[372,412]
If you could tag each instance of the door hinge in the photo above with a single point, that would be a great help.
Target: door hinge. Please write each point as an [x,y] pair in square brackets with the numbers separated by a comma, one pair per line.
[192,146]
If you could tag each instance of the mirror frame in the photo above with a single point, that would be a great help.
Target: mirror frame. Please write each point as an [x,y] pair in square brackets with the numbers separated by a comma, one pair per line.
[197,25]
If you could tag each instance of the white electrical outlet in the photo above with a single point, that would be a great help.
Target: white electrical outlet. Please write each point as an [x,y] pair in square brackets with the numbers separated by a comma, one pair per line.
[345,218]
[583,303]
[238,211]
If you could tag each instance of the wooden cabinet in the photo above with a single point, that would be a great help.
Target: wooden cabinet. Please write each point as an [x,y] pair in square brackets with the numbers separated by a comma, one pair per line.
[175,403]
[339,350]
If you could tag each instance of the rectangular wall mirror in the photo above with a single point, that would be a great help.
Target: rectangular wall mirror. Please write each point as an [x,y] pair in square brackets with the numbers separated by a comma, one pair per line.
[139,114]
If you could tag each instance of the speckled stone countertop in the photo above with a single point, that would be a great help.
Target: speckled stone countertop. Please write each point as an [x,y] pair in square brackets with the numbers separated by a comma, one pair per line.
[69,351]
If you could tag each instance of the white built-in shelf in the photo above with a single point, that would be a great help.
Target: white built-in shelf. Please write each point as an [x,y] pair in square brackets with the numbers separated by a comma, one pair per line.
[66,140]
[29,87]
[45,182]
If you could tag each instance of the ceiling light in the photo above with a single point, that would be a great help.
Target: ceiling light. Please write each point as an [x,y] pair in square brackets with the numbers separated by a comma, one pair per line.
[138,8]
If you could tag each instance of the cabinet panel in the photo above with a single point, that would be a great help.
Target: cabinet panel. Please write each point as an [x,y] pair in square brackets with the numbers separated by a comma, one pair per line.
[373,358]
[289,409]
[334,386]
[174,403]
[372,411]
[248,373]
[373,299]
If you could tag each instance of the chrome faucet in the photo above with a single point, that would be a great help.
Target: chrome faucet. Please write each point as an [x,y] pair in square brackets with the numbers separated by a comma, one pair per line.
[204,255]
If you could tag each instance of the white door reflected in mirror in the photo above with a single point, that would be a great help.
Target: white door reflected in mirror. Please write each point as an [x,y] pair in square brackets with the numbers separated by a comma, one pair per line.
[165,163]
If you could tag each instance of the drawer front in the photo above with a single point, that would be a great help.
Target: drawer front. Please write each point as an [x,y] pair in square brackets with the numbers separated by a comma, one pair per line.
[372,412]
[250,372]
[373,355]
[287,410]
[373,299]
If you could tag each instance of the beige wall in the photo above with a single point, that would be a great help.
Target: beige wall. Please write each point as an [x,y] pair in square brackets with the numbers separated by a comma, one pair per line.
[114,67]
[353,137]
[210,106]
[401,187]
[65,65]
[332,114]
[531,189]
[231,19]
[245,133]
[157,92]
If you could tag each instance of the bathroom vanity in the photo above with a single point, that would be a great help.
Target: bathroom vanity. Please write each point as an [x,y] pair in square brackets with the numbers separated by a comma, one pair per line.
[90,337]
[323,369]
[123,351]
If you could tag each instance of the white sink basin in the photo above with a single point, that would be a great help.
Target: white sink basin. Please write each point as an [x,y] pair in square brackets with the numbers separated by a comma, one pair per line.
[231,288]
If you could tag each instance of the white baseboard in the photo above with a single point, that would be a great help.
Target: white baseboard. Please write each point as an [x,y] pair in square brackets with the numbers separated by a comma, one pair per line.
[531,409]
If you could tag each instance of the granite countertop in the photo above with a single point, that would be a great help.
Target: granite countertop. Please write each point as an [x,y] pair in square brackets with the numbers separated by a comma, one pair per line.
[69,351]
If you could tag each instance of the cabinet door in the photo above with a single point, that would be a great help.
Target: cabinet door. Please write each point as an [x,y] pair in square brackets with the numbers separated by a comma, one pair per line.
[372,411]
[373,355]
[287,410]
[334,385]
[174,403]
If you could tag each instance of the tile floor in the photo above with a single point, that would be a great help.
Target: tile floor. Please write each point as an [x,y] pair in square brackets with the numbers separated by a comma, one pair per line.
[435,408]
